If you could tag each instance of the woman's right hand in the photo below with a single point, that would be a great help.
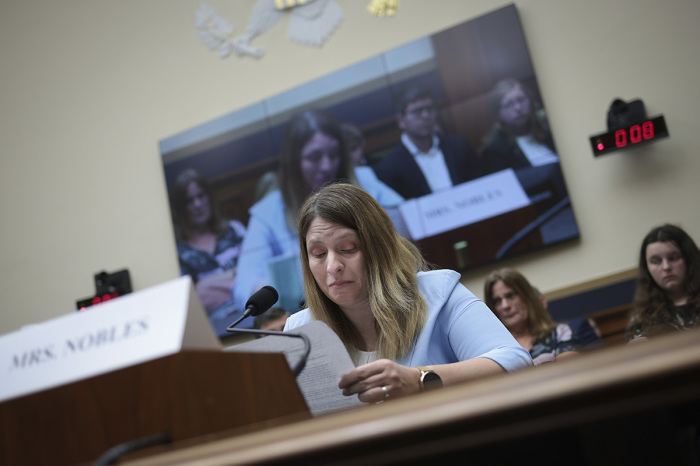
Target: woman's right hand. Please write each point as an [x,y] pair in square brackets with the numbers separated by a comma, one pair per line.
[380,380]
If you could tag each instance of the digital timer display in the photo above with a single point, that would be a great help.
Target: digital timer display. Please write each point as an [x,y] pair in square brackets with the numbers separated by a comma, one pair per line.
[83,304]
[108,286]
[630,136]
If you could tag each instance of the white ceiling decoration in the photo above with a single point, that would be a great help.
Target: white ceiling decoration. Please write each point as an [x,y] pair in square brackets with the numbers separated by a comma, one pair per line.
[311,23]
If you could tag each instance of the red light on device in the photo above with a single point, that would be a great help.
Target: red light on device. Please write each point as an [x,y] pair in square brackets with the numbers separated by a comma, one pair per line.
[601,146]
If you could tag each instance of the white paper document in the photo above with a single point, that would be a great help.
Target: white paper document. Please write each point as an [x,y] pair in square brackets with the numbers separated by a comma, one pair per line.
[328,361]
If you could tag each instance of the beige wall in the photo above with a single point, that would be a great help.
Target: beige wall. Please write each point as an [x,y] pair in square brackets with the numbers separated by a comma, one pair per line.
[89,87]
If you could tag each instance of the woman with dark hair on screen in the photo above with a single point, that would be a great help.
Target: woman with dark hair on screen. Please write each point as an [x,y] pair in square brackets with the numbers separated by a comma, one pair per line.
[407,328]
[667,297]
[207,245]
[313,154]
[518,305]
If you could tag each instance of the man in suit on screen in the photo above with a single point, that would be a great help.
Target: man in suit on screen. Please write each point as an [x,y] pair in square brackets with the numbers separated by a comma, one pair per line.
[425,161]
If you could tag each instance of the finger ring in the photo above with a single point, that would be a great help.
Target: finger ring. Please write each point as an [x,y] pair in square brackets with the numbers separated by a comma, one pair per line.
[386,391]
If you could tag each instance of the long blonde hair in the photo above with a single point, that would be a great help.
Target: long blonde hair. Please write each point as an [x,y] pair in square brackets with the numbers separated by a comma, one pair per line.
[391,264]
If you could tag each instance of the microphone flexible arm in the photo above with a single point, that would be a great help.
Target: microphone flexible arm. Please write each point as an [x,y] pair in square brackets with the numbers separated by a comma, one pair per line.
[245,314]
[299,366]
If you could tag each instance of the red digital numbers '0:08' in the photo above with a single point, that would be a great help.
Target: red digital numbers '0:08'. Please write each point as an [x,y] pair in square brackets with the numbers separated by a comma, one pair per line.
[636,134]
[621,138]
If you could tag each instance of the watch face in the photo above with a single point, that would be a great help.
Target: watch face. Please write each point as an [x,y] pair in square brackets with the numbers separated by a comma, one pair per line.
[431,381]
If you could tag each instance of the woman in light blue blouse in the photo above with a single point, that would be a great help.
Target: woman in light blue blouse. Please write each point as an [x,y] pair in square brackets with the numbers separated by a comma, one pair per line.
[407,328]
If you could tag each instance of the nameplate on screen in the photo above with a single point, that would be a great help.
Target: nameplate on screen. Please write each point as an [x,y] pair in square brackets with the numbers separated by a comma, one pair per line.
[464,204]
[129,330]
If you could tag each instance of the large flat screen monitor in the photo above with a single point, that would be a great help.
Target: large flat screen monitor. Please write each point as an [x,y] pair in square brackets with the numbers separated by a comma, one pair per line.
[449,133]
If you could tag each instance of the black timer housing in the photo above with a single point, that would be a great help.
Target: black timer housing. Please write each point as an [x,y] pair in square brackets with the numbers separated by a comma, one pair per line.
[628,126]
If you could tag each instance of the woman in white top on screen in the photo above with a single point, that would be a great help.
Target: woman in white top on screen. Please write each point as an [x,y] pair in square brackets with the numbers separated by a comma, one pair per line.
[520,136]
[520,140]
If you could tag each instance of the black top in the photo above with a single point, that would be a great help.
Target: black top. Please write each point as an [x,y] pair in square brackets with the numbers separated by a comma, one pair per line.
[683,318]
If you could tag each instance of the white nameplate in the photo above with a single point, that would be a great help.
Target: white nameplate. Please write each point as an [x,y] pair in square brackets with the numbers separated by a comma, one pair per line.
[129,330]
[464,204]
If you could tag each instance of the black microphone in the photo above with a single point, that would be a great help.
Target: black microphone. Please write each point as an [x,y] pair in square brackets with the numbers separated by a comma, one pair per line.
[259,302]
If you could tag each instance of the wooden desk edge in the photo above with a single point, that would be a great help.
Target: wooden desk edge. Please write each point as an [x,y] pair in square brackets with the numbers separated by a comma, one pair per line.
[607,369]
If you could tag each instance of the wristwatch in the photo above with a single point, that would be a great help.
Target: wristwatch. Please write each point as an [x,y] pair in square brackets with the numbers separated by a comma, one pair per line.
[429,380]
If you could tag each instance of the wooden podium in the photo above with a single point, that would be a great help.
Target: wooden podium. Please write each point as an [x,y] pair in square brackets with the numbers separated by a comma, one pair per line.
[187,395]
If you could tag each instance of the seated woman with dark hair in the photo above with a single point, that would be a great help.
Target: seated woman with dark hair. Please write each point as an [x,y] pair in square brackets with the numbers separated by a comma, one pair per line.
[207,245]
[406,328]
[517,304]
[668,288]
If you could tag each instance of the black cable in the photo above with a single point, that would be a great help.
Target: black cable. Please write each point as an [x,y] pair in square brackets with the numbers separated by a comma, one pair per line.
[111,455]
